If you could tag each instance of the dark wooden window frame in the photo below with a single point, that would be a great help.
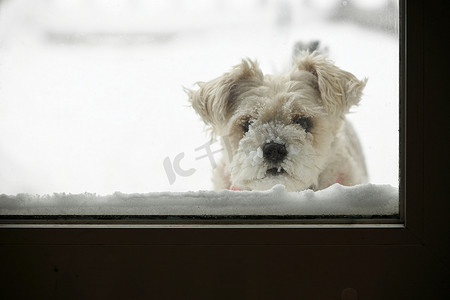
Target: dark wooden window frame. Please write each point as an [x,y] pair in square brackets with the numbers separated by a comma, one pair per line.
[406,259]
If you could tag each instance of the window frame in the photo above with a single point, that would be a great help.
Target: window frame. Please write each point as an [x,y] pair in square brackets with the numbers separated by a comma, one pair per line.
[412,246]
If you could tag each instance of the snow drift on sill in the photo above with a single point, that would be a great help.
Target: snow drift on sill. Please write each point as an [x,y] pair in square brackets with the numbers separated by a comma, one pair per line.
[365,199]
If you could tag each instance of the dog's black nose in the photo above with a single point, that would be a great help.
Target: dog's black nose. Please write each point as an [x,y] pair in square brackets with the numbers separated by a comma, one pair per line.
[274,152]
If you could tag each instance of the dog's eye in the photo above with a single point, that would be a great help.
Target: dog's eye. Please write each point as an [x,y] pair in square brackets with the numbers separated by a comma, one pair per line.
[304,122]
[246,125]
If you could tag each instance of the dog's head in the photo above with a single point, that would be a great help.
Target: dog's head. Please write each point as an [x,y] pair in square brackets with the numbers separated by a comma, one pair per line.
[277,129]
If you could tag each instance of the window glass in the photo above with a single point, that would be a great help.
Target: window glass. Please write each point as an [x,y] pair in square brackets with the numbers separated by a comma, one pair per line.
[92,93]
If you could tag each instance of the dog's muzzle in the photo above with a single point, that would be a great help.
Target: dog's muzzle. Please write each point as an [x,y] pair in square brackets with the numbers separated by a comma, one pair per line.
[274,153]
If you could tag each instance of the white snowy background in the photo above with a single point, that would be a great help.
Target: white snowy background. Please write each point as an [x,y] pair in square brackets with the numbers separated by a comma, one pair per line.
[91,92]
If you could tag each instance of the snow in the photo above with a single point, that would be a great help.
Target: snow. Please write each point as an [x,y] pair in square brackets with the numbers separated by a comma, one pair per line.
[92,100]
[337,200]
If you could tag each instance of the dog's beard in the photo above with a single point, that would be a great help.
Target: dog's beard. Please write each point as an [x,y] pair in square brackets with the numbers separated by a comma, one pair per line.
[250,170]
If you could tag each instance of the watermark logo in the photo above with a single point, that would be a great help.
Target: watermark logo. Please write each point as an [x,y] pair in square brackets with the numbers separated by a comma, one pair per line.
[173,167]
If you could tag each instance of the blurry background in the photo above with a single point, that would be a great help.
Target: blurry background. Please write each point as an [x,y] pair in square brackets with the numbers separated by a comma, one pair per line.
[91,91]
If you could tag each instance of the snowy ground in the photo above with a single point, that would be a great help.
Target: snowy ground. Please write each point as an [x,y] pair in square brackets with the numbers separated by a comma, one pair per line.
[91,92]
[363,200]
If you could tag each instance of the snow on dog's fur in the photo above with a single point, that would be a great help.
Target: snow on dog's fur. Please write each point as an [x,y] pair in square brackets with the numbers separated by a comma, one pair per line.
[284,129]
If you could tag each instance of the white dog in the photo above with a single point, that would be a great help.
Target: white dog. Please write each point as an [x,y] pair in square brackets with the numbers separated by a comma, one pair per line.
[284,129]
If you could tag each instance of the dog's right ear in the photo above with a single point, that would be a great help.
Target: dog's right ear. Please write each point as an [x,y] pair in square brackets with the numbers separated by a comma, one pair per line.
[216,100]
[339,89]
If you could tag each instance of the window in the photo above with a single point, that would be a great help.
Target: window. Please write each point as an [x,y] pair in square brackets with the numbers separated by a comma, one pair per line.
[406,261]
[104,108]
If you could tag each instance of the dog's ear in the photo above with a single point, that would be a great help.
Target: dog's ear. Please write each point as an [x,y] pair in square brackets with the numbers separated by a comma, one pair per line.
[216,100]
[339,89]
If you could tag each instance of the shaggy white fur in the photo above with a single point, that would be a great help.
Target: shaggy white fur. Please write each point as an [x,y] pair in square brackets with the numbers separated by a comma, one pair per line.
[284,129]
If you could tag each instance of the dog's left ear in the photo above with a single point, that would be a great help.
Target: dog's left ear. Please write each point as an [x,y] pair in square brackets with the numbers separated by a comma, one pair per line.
[339,89]
[217,99]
